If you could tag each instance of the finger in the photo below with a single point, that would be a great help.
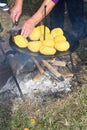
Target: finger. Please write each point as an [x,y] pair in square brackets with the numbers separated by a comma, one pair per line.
[25,33]
[17,17]
[13,17]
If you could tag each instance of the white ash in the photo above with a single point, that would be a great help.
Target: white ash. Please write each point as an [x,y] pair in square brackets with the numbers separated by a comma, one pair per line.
[34,89]
[9,86]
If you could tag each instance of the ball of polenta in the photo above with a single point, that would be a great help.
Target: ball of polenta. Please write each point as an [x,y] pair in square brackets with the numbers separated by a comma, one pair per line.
[45,50]
[57,31]
[43,29]
[47,36]
[20,41]
[35,34]
[49,43]
[34,46]
[59,38]
[62,46]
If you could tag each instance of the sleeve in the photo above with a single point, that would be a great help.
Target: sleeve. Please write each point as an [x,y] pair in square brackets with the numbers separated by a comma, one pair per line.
[55,1]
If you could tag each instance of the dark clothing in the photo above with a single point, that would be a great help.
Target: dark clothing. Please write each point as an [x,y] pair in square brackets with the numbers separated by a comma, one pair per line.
[3,1]
[75,10]
[57,15]
[55,1]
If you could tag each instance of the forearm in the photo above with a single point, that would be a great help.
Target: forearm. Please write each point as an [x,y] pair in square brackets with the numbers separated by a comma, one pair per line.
[39,15]
[30,24]
[16,10]
[19,3]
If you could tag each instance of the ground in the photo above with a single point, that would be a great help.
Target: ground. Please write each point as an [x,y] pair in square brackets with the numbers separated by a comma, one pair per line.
[68,112]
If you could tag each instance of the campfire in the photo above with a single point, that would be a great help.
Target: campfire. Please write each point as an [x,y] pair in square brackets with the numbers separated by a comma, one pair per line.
[35,74]
[39,75]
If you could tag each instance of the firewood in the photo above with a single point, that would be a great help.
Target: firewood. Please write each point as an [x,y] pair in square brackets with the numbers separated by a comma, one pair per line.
[38,65]
[56,62]
[52,60]
[51,68]
[68,75]
[59,63]
[37,76]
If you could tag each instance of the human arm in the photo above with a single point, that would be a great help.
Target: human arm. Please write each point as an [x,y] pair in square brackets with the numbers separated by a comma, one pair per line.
[37,17]
[16,11]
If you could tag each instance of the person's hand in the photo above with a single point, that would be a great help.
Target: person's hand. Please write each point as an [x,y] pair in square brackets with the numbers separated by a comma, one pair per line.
[15,13]
[27,28]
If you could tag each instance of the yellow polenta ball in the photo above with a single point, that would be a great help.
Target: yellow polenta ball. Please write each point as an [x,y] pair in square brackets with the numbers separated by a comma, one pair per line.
[43,29]
[59,38]
[20,41]
[47,36]
[49,43]
[35,34]
[56,31]
[34,46]
[45,50]
[62,46]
